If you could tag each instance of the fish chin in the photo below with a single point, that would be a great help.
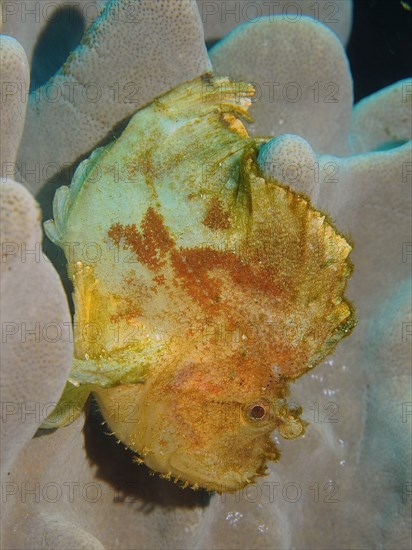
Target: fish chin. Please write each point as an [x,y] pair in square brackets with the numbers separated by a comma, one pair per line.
[187,469]
[220,470]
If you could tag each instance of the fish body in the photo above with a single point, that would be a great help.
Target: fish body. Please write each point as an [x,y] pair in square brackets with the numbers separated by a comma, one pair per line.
[201,289]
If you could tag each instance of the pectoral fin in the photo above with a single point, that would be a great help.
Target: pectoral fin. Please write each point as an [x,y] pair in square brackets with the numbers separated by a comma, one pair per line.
[69,406]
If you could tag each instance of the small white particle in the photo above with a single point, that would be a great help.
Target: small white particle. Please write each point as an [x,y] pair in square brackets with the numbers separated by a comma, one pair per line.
[234,517]
[329,392]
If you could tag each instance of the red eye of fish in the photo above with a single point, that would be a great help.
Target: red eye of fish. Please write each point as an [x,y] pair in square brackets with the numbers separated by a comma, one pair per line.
[257,412]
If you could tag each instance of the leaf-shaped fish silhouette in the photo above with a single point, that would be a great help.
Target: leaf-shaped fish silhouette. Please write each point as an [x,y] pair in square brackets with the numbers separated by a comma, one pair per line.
[201,288]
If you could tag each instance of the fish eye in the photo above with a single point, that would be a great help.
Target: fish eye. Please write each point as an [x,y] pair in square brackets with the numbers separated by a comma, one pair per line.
[257,412]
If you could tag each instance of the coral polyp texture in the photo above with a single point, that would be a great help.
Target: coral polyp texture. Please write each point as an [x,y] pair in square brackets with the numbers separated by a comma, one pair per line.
[193,237]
